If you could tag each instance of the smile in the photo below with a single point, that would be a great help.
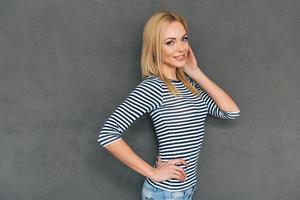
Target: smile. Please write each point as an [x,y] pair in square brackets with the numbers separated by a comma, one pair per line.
[180,58]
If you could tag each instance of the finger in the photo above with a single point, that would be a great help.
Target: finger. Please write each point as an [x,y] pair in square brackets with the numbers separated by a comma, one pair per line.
[158,159]
[175,176]
[180,170]
[190,49]
[178,175]
[178,161]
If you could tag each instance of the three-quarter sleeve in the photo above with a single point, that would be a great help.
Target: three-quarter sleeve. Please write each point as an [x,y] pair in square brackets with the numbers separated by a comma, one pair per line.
[213,108]
[145,97]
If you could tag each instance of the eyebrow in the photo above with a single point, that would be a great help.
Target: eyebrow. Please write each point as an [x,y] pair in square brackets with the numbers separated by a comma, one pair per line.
[175,38]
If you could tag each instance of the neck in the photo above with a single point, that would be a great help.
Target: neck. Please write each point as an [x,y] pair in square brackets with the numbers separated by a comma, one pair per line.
[169,72]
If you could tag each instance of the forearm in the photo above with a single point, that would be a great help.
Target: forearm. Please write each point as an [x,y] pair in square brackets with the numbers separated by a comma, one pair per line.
[222,99]
[125,154]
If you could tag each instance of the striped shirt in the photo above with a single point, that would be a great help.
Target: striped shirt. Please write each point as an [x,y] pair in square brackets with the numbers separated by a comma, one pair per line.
[178,123]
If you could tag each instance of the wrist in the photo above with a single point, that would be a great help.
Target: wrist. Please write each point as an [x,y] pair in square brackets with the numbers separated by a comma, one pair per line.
[200,77]
[150,172]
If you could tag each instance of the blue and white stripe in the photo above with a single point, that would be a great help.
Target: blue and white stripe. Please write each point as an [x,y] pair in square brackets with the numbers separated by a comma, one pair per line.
[178,122]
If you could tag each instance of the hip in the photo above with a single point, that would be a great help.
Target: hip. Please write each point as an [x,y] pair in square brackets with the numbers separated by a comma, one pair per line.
[151,192]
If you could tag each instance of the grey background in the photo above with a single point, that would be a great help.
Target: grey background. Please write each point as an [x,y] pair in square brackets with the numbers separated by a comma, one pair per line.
[65,65]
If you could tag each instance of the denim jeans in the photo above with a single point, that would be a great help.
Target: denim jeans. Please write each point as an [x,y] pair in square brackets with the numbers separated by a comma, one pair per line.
[152,193]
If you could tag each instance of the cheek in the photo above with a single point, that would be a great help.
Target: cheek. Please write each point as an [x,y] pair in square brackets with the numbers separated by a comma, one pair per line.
[168,52]
[187,46]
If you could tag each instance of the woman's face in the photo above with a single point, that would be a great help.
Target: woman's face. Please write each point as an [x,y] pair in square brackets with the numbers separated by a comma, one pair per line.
[175,45]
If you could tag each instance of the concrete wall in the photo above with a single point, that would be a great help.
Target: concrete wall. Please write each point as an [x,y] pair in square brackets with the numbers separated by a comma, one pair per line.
[66,64]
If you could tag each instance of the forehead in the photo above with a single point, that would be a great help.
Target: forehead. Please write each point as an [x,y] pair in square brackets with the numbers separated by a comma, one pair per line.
[175,29]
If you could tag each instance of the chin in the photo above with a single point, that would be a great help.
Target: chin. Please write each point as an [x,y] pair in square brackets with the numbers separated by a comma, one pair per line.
[176,64]
[179,65]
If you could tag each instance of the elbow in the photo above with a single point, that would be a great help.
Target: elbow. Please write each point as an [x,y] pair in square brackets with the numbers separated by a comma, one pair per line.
[233,114]
[237,111]
[105,138]
[101,139]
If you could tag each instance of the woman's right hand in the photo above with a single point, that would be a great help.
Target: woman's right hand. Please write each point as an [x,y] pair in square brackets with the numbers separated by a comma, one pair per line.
[166,170]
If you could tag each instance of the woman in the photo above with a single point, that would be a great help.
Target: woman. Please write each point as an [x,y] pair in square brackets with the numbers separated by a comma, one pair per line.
[178,97]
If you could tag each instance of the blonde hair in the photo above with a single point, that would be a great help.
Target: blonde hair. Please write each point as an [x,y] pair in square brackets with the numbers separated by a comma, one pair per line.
[152,54]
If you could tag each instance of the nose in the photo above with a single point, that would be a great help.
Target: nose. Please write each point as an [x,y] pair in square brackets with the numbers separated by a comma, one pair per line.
[180,46]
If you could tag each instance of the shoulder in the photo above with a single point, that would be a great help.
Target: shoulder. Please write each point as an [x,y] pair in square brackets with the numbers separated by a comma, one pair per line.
[149,86]
[150,90]
[152,82]
[152,78]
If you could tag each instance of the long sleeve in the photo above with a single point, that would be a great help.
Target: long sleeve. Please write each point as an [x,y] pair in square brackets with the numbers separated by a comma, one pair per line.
[145,97]
[213,108]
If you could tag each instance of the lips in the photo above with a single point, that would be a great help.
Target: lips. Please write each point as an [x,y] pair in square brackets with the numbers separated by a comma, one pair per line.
[180,57]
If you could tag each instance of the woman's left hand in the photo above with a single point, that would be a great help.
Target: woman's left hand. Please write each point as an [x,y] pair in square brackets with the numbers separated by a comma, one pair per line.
[191,63]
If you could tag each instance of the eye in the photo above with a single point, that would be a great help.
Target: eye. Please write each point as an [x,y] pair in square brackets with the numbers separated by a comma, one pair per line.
[185,38]
[168,43]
